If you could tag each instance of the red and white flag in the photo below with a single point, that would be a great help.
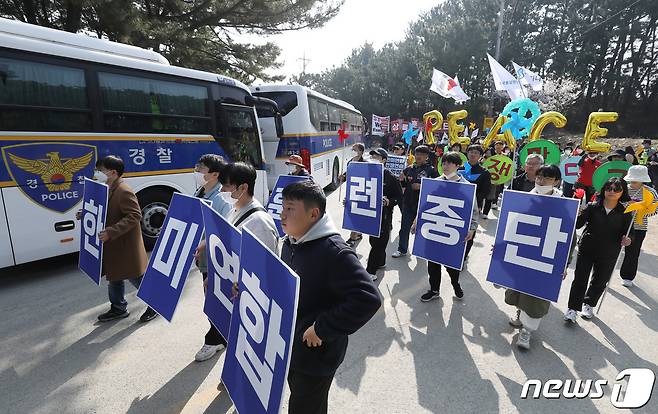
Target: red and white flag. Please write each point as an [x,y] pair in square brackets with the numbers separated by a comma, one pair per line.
[447,87]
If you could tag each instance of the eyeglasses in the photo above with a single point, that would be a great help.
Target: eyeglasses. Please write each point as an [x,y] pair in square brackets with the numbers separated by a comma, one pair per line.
[614,189]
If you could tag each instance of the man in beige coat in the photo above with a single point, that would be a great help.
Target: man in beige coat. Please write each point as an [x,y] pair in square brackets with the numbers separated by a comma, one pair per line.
[124,255]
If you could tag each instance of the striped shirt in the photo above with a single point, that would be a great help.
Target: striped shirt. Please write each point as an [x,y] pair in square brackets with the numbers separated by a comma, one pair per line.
[636,195]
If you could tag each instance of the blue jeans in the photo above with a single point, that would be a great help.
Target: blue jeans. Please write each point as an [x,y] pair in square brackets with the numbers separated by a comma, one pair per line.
[408,216]
[116,291]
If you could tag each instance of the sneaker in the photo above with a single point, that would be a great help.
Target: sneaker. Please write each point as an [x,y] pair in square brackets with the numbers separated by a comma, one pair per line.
[373,277]
[523,341]
[398,254]
[484,217]
[149,314]
[588,312]
[627,283]
[429,295]
[459,293]
[113,314]
[208,351]
[515,320]
[570,316]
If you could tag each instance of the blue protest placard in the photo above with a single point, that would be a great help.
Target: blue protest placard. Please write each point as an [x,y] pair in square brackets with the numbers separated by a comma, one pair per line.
[172,256]
[275,203]
[396,164]
[223,253]
[94,213]
[445,210]
[262,330]
[532,243]
[363,199]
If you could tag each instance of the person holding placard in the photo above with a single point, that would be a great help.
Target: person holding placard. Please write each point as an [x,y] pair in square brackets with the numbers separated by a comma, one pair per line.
[207,173]
[124,255]
[392,197]
[636,177]
[450,163]
[336,295]
[476,174]
[600,244]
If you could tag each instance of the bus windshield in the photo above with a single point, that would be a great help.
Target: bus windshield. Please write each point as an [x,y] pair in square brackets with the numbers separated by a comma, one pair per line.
[287,101]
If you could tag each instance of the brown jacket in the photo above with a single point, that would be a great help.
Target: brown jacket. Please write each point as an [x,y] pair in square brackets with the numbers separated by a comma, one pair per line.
[124,255]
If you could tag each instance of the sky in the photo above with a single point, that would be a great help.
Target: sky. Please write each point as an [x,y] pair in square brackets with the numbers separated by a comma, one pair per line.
[358,21]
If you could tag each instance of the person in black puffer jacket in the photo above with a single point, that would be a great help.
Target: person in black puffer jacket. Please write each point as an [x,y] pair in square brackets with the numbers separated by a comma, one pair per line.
[336,295]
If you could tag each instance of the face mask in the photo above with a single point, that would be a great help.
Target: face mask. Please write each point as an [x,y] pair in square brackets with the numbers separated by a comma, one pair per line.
[100,176]
[226,196]
[198,179]
[543,189]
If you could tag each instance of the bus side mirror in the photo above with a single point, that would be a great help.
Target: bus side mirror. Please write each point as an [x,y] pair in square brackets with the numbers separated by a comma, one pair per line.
[278,122]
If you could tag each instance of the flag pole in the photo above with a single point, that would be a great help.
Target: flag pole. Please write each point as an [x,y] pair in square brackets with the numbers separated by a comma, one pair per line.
[616,264]
[343,171]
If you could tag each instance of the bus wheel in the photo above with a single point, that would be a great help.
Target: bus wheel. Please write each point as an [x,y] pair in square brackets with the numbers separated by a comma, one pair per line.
[154,204]
[335,176]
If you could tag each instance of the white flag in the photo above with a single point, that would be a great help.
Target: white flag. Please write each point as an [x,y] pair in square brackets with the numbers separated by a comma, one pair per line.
[419,138]
[447,87]
[505,81]
[444,138]
[466,131]
[475,133]
[528,78]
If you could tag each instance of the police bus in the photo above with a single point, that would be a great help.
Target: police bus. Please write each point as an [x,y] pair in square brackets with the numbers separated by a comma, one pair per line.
[311,121]
[68,99]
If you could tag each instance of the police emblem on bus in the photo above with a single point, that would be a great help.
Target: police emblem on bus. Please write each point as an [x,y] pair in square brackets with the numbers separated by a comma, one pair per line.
[51,174]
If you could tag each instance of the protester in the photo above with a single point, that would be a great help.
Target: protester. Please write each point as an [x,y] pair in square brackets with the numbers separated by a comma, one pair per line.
[630,155]
[124,255]
[296,166]
[456,148]
[530,309]
[652,165]
[636,177]
[410,179]
[478,176]
[586,167]
[207,172]
[526,181]
[567,188]
[600,244]
[336,296]
[398,149]
[450,163]
[392,196]
[617,155]
[357,156]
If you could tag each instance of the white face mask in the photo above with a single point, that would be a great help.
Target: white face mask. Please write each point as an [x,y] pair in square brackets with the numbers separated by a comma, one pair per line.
[100,176]
[198,179]
[226,196]
[543,189]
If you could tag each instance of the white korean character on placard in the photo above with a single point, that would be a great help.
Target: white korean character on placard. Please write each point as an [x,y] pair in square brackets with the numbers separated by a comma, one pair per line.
[254,306]
[92,225]
[363,191]
[276,206]
[175,255]
[443,223]
[137,155]
[553,236]
[229,270]
[164,155]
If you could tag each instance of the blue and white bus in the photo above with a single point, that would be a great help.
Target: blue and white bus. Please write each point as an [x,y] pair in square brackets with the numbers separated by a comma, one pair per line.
[311,122]
[67,99]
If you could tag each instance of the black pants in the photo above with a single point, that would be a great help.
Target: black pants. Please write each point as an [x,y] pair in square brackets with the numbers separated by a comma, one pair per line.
[632,255]
[377,256]
[308,394]
[213,337]
[480,200]
[580,292]
[434,270]
[567,190]
[469,245]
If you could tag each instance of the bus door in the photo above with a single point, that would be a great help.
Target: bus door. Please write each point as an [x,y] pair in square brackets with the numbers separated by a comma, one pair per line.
[6,254]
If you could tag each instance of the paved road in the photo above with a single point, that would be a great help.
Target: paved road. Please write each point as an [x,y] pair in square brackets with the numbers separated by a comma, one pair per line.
[445,356]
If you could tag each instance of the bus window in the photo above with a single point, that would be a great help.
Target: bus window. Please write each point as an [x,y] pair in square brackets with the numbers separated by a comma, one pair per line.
[241,142]
[132,104]
[318,113]
[334,117]
[42,97]
[287,101]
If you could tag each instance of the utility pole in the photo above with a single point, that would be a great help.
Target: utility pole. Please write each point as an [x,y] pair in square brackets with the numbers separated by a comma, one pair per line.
[498,39]
[304,62]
